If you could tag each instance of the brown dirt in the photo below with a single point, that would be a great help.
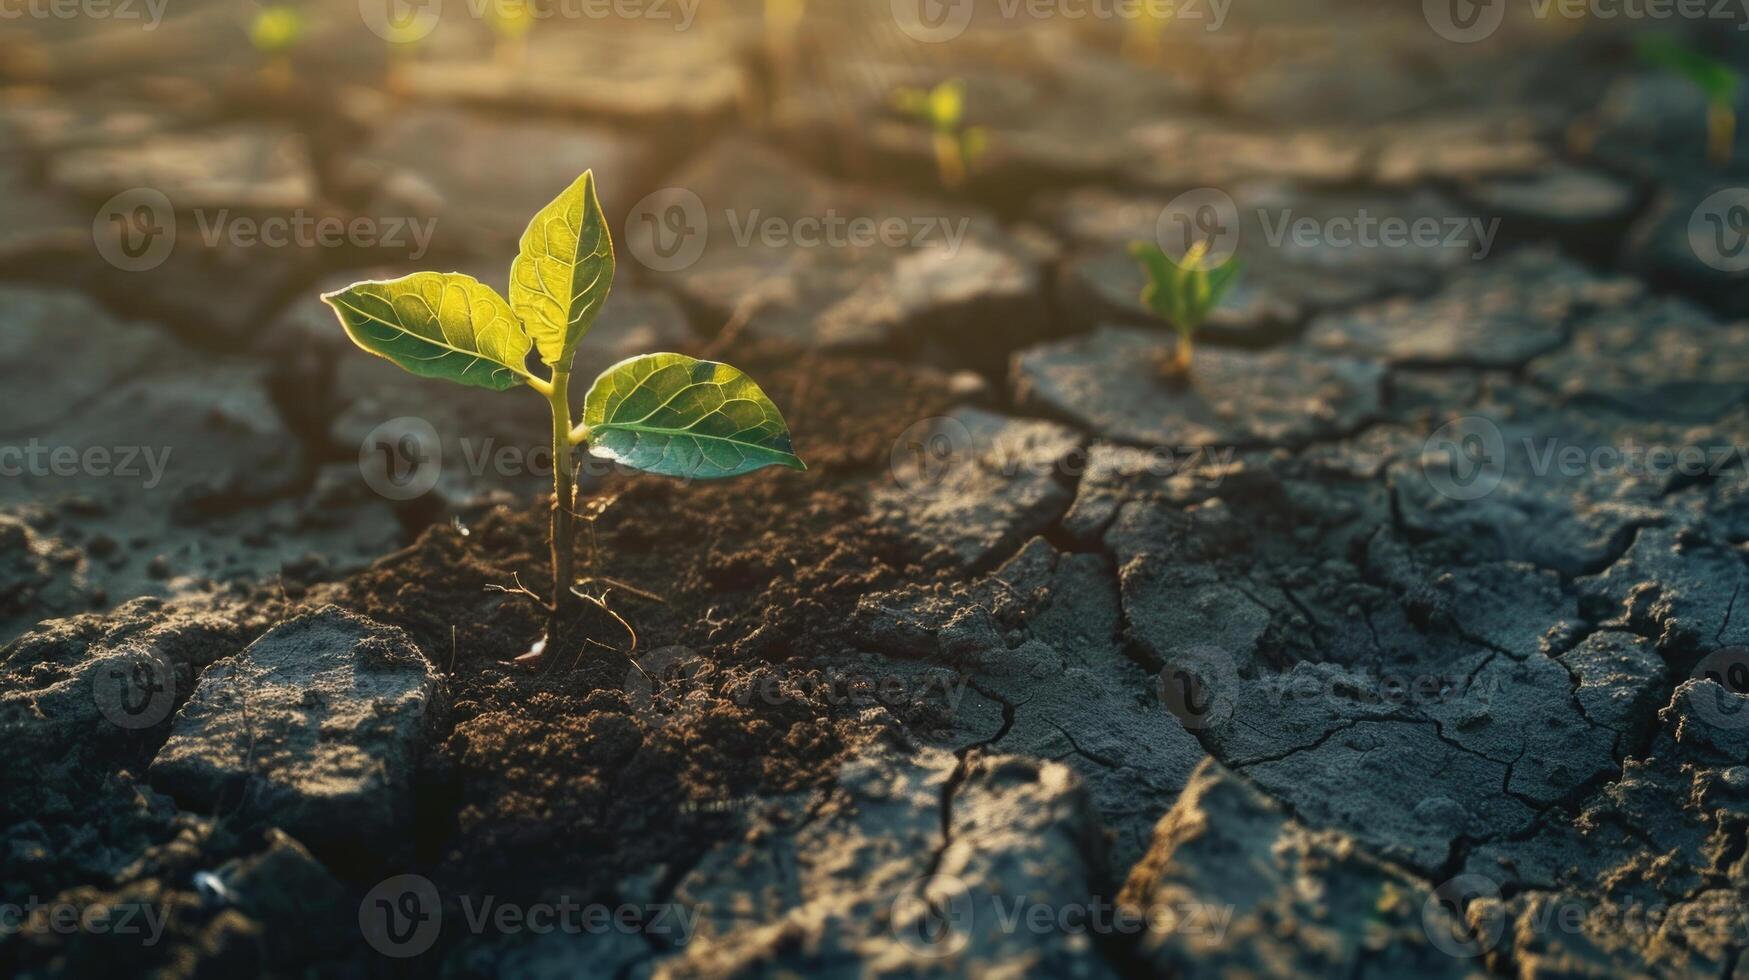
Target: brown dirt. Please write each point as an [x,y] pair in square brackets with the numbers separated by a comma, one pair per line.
[552,776]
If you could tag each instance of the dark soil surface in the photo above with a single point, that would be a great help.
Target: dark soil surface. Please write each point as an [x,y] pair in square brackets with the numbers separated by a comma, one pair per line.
[1405,636]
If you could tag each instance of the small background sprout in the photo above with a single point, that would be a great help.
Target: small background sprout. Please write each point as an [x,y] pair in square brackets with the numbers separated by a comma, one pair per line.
[942,109]
[1183,293]
[1715,79]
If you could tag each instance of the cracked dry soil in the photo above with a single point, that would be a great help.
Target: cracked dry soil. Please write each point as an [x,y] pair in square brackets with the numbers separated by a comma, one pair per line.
[1044,667]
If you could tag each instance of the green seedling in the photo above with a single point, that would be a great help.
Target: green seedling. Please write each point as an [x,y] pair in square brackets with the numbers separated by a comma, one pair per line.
[1183,293]
[404,38]
[512,20]
[1141,41]
[277,29]
[275,32]
[942,109]
[667,414]
[1716,80]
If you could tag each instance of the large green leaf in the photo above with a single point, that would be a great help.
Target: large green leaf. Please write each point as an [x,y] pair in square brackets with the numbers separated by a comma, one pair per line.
[563,271]
[437,325]
[680,416]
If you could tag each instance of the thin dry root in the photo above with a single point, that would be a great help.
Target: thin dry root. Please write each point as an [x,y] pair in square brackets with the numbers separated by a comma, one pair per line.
[613,583]
[519,589]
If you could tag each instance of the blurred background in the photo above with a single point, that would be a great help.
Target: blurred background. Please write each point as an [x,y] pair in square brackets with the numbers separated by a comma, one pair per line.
[944,181]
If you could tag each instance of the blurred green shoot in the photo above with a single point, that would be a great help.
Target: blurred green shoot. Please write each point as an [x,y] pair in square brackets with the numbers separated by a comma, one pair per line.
[942,109]
[1141,40]
[1183,293]
[277,29]
[274,32]
[404,36]
[782,18]
[1716,80]
[511,20]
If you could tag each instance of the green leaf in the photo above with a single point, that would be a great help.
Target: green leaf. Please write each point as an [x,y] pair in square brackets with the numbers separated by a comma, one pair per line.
[1714,78]
[563,272]
[680,416]
[1221,278]
[437,325]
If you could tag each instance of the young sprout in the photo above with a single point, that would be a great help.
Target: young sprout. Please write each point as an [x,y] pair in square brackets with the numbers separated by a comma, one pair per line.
[781,19]
[1716,80]
[403,38]
[1182,293]
[512,20]
[1141,40]
[942,109]
[274,32]
[659,413]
